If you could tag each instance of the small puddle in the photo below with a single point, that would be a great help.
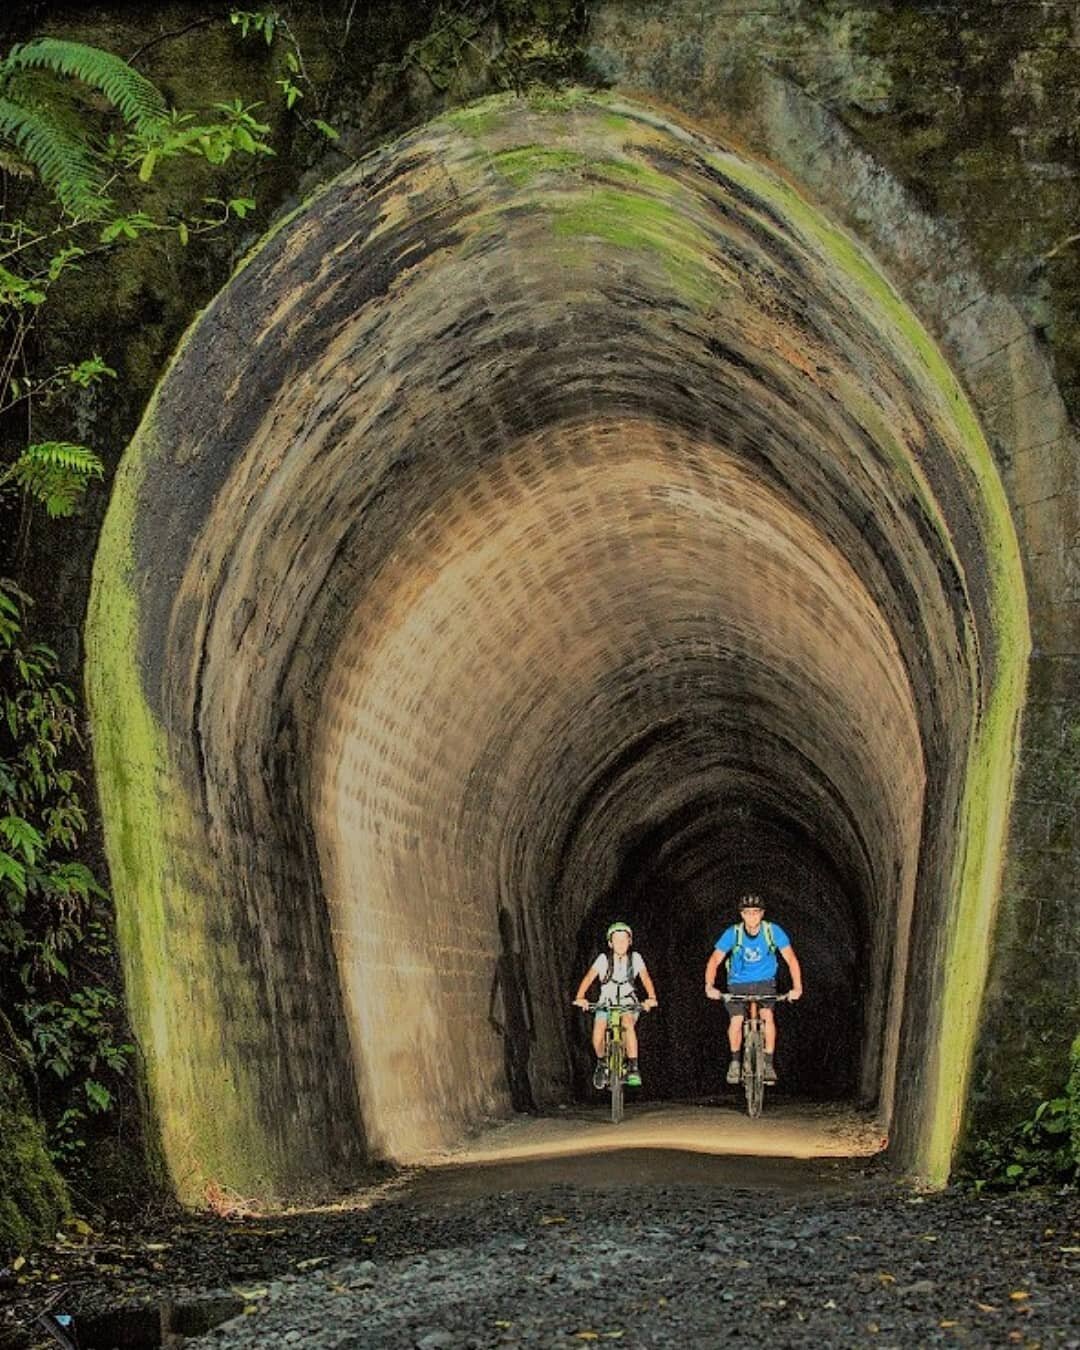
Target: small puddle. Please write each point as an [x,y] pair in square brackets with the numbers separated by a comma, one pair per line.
[138,1328]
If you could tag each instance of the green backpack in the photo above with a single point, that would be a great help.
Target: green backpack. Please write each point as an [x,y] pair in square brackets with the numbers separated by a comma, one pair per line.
[740,934]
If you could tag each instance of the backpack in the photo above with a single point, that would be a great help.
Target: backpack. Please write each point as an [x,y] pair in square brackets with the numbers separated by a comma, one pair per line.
[609,973]
[740,934]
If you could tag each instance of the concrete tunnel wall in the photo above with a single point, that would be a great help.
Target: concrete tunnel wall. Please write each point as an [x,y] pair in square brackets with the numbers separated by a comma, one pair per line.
[557,501]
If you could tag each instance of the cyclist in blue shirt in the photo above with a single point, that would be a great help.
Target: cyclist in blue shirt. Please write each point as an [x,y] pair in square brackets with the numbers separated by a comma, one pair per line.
[752,945]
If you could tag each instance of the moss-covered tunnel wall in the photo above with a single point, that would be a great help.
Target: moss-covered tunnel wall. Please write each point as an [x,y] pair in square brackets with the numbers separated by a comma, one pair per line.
[559,515]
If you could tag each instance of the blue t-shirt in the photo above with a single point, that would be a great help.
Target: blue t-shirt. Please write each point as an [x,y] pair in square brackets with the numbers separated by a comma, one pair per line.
[753,961]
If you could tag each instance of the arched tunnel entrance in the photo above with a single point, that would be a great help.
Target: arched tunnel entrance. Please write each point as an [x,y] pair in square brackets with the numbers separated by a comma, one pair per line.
[556,519]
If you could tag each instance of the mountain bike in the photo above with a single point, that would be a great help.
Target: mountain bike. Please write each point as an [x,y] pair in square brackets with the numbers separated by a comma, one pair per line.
[615,1051]
[753,1047]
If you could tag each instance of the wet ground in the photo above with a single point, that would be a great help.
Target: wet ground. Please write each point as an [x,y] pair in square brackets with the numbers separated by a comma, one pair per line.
[549,1233]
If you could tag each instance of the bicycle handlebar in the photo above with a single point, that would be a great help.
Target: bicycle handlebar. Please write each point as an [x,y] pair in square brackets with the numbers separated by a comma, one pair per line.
[614,1007]
[756,998]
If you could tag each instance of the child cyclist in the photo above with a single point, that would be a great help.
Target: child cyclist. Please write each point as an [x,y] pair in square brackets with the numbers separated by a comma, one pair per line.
[617,969]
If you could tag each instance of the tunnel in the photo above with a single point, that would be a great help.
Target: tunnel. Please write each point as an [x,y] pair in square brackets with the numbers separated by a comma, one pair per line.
[555,520]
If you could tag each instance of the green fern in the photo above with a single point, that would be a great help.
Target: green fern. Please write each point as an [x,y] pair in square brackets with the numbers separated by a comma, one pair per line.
[54,473]
[138,101]
[37,117]
[64,162]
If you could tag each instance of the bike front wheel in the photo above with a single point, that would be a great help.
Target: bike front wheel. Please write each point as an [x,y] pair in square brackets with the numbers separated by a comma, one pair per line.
[754,1073]
[616,1073]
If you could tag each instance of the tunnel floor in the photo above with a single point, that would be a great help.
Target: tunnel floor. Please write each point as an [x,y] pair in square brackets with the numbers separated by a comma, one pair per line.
[647,1247]
[787,1128]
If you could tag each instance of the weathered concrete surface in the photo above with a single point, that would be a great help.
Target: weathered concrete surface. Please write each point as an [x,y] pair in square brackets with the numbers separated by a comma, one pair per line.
[558,491]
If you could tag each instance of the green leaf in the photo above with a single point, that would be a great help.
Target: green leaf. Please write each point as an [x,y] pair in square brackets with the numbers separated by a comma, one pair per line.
[182,231]
[327,130]
[63,260]
[99,1096]
[12,871]
[53,962]
[138,101]
[22,836]
[16,291]
[88,372]
[291,91]
[55,473]
[127,227]
[63,160]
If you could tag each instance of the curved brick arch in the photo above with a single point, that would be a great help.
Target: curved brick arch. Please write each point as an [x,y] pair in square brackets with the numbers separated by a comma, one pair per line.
[557,490]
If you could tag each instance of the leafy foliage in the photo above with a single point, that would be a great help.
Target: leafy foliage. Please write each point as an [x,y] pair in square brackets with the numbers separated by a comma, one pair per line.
[85,163]
[84,135]
[54,945]
[35,116]
[1038,1151]
[295,84]
[56,473]
[138,101]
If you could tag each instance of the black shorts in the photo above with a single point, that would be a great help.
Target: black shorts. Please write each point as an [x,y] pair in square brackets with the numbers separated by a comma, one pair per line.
[758,988]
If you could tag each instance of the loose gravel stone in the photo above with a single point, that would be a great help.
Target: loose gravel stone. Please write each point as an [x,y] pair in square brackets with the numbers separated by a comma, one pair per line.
[643,1267]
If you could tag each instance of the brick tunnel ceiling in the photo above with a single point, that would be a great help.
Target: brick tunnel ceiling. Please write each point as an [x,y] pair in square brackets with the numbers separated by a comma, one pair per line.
[550,525]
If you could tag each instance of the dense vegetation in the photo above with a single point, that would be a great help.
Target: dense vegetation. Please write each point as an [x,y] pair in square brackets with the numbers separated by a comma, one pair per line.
[82,136]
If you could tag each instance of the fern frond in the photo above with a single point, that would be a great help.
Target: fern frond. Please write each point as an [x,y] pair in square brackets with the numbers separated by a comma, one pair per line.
[13,163]
[138,101]
[65,163]
[54,473]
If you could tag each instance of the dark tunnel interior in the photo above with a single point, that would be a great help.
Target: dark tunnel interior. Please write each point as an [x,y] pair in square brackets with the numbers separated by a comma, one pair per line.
[678,883]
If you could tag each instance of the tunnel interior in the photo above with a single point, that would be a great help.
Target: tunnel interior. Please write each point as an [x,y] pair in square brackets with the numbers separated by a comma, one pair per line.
[562,523]
[680,879]
[624,664]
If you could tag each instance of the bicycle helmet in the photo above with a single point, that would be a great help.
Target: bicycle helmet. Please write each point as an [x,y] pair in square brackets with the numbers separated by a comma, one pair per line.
[620,927]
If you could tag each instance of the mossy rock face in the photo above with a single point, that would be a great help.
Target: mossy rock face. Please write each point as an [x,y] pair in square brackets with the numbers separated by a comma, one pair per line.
[33,1198]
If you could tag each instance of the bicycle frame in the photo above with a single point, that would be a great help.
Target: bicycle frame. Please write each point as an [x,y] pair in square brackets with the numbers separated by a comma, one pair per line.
[615,1051]
[753,1046]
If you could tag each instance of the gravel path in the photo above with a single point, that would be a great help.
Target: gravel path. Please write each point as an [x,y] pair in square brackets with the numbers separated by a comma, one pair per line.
[638,1247]
[685,1265]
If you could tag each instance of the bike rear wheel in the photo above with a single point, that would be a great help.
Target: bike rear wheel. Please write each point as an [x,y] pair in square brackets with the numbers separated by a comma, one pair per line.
[754,1072]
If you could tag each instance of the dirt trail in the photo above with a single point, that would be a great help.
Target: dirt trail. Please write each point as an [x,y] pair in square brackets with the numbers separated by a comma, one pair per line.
[788,1130]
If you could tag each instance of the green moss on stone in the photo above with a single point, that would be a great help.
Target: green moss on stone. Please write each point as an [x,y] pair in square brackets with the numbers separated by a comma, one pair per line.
[479,119]
[205,1103]
[33,1198]
[644,224]
[528,162]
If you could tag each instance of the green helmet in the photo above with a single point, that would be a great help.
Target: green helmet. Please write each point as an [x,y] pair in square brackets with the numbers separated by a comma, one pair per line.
[620,927]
